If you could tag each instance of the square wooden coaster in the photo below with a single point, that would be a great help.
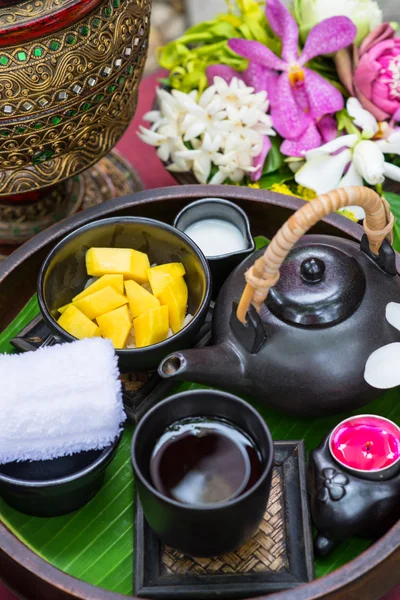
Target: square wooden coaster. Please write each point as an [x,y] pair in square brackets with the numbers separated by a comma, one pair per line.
[277,558]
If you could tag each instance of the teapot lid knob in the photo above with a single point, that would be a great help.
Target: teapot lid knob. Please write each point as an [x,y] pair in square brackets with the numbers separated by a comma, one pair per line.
[312,270]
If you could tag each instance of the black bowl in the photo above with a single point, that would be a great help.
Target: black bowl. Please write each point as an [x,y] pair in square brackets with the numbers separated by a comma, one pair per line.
[49,488]
[216,208]
[212,529]
[63,275]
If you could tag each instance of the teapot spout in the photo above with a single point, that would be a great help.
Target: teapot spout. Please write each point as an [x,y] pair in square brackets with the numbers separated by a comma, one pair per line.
[218,366]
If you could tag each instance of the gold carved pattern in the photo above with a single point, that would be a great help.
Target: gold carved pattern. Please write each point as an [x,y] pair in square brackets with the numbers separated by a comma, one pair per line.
[26,10]
[70,106]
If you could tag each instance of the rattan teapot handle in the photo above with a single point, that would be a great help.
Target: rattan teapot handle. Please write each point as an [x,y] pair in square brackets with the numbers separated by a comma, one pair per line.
[264,274]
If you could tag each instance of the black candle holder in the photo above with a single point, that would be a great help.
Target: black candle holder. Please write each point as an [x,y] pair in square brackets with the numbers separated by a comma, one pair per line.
[343,505]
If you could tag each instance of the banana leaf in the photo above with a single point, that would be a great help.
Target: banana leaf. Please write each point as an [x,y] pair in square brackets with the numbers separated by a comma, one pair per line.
[95,543]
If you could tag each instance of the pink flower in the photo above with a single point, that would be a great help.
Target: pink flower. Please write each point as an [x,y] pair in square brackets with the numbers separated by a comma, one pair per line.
[299,97]
[372,73]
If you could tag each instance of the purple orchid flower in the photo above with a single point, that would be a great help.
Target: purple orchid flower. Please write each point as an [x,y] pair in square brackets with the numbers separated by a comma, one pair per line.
[302,102]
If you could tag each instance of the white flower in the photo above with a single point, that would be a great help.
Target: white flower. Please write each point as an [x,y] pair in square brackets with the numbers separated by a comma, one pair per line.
[366,14]
[217,136]
[350,159]
[382,367]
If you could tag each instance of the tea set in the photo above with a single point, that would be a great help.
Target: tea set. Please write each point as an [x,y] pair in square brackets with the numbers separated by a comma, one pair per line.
[291,329]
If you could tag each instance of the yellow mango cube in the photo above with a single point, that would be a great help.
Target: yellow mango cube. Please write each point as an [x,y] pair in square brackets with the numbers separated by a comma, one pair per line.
[116,326]
[162,275]
[62,309]
[151,327]
[100,302]
[116,281]
[175,296]
[77,324]
[105,261]
[140,300]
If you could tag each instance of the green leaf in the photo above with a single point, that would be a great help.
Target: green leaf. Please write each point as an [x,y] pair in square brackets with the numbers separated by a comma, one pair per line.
[275,158]
[281,176]
[394,201]
[261,242]
[345,122]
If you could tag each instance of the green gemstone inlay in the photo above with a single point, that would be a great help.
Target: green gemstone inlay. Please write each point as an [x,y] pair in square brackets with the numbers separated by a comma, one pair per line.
[21,56]
[56,120]
[71,113]
[38,52]
[4,60]
[84,30]
[20,129]
[42,156]
[111,89]
[115,3]
[99,98]
[38,126]
[71,39]
[54,45]
[5,132]
[130,69]
[96,23]
[120,80]
[85,106]
[107,12]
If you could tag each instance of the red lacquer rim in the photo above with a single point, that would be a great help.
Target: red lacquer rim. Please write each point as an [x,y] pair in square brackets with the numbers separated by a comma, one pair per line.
[59,18]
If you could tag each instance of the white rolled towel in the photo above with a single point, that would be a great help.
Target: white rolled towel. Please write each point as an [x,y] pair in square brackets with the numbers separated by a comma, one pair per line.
[59,400]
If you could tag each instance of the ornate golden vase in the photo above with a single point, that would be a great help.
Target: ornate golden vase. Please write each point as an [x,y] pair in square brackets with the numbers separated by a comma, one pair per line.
[69,77]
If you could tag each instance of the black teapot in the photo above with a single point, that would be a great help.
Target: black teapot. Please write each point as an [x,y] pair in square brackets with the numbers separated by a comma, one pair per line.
[298,335]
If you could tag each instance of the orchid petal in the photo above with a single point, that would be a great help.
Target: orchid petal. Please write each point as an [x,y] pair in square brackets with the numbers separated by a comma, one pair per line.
[391,145]
[271,82]
[382,367]
[259,161]
[311,138]
[327,126]
[351,178]
[322,96]
[344,141]
[288,118]
[327,37]
[391,171]
[369,162]
[257,52]
[323,173]
[393,314]
[362,118]
[223,71]
[283,24]
[255,76]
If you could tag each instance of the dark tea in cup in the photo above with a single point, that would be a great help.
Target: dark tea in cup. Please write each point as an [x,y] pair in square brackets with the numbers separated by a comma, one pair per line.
[203,466]
[204,460]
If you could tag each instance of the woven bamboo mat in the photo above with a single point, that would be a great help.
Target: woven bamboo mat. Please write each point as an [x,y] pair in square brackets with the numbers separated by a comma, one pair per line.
[266,551]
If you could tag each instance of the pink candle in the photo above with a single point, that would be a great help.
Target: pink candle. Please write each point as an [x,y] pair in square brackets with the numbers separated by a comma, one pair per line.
[368,446]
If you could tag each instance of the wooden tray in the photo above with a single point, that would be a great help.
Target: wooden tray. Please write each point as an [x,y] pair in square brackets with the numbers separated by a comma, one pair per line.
[369,576]
[278,557]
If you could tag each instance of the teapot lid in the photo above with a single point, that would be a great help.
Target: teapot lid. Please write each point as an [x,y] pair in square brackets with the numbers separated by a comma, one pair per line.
[318,285]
